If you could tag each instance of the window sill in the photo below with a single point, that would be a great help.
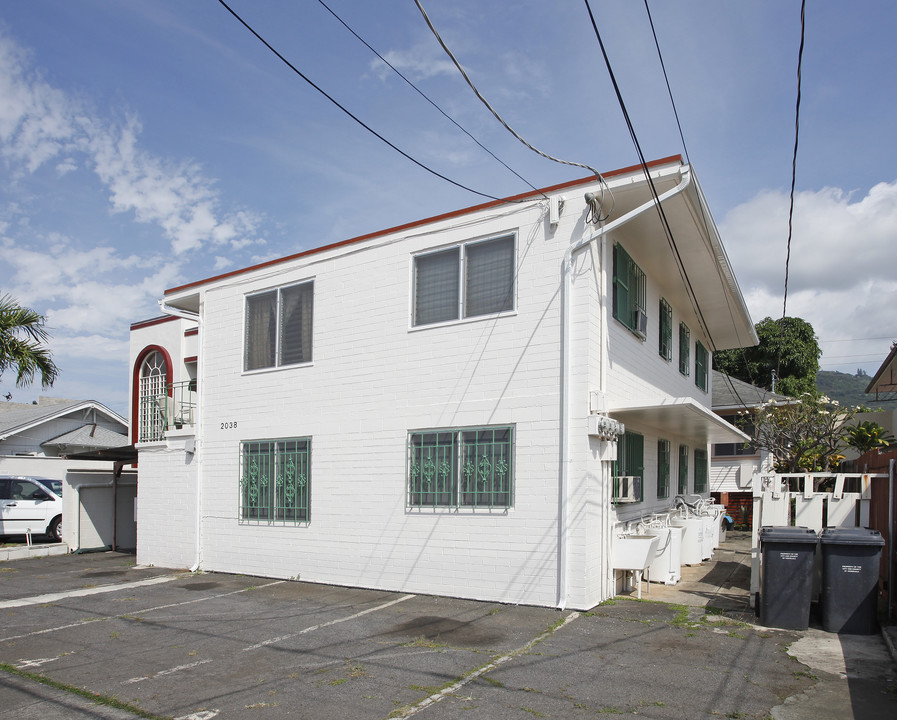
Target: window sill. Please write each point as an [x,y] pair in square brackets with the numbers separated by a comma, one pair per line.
[277,368]
[462,321]
[456,511]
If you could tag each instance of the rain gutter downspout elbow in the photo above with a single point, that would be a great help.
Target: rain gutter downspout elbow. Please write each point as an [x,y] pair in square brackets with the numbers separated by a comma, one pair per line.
[566,349]
[197,447]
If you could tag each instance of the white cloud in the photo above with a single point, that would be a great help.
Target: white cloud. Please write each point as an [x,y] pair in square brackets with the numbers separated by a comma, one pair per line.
[39,122]
[841,272]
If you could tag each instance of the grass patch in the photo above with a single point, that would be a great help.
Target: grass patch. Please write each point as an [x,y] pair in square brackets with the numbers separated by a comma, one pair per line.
[424,642]
[610,710]
[97,698]
[492,681]
[534,713]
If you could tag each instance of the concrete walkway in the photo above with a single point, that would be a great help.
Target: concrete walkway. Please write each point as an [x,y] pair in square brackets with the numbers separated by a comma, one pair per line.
[855,674]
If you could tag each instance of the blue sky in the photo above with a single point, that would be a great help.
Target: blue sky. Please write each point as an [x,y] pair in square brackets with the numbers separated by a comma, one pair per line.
[148,144]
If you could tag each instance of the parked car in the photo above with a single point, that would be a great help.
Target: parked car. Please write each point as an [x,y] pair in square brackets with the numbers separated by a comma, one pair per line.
[31,504]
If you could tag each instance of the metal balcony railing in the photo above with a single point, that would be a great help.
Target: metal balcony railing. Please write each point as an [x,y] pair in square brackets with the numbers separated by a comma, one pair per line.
[174,407]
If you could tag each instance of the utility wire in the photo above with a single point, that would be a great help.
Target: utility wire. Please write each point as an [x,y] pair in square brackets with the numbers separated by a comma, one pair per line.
[669,90]
[662,214]
[800,56]
[501,119]
[425,97]
[349,113]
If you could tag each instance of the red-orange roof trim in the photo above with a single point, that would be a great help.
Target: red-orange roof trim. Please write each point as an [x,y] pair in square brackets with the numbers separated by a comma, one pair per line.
[425,221]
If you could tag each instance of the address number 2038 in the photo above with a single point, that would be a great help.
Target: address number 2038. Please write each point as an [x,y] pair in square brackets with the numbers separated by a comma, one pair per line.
[229,425]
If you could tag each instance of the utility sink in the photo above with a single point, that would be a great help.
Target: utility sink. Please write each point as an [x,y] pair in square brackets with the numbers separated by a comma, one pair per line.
[635,552]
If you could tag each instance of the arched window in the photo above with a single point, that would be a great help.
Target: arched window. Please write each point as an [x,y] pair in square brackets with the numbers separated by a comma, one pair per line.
[152,394]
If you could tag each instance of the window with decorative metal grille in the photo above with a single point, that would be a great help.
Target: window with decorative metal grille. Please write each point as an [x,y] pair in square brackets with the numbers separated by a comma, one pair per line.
[278,327]
[275,480]
[701,470]
[487,269]
[630,463]
[461,467]
[701,366]
[629,292]
[663,469]
[683,470]
[684,348]
[665,344]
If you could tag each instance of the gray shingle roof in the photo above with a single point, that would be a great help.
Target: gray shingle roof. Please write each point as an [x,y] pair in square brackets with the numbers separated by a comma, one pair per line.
[729,392]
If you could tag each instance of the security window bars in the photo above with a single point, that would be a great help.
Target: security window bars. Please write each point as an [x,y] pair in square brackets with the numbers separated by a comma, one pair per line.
[663,469]
[665,346]
[629,289]
[467,467]
[700,470]
[278,327]
[275,480]
[701,366]
[630,460]
[470,280]
[684,348]
[683,469]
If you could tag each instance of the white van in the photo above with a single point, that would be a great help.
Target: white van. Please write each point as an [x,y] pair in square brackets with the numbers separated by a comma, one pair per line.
[30,504]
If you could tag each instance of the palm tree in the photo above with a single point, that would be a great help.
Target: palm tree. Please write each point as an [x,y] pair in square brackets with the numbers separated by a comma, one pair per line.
[22,334]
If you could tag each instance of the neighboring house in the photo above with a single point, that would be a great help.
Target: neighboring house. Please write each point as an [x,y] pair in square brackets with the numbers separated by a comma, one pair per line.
[884,386]
[40,439]
[440,407]
[733,464]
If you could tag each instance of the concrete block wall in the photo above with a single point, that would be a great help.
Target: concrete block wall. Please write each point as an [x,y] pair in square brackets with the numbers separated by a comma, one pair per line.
[166,506]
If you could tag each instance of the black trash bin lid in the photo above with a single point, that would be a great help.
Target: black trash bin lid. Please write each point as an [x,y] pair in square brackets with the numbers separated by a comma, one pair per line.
[852,536]
[787,533]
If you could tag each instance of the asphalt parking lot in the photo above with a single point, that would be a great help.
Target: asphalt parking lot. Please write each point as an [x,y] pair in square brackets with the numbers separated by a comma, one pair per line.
[79,629]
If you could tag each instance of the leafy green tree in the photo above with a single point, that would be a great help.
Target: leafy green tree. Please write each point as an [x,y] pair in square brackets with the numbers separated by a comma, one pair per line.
[788,348]
[23,334]
[866,436]
[806,435]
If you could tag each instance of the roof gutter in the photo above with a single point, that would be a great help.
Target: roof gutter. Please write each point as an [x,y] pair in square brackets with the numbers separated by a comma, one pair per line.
[197,446]
[566,351]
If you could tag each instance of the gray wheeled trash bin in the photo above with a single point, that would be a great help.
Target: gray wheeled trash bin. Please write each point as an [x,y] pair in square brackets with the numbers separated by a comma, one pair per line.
[786,584]
[850,564]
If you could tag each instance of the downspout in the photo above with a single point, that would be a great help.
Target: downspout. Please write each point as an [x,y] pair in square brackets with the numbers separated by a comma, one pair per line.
[566,346]
[197,447]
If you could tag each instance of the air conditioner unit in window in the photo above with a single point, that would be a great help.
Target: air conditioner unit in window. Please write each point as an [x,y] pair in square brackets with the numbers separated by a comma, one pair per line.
[627,489]
[641,324]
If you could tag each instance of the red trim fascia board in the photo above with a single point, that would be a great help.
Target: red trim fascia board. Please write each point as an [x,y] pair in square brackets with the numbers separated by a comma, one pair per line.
[155,321]
[426,221]
[191,359]
[191,331]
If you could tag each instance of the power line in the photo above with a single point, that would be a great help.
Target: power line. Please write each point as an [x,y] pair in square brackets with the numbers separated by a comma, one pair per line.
[660,211]
[669,90]
[426,97]
[501,119]
[800,56]
[349,113]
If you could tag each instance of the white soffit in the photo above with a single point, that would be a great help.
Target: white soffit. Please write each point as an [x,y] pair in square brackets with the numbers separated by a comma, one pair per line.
[678,417]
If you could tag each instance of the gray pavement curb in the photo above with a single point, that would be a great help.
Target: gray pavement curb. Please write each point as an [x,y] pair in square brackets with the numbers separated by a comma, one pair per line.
[31,551]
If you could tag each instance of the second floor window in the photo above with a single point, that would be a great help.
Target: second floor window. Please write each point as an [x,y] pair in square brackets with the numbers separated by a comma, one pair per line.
[469,280]
[629,291]
[279,327]
[665,347]
[701,366]
[684,348]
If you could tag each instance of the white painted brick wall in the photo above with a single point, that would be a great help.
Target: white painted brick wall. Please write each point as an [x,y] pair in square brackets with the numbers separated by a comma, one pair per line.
[374,378]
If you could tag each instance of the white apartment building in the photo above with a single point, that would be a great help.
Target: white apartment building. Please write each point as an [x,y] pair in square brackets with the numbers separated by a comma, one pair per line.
[466,405]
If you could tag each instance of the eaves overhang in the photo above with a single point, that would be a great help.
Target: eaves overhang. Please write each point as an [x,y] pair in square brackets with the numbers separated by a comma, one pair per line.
[678,418]
[885,379]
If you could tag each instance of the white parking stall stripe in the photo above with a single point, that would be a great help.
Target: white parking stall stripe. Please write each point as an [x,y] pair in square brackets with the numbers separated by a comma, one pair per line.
[83,592]
[166,672]
[337,621]
[141,612]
